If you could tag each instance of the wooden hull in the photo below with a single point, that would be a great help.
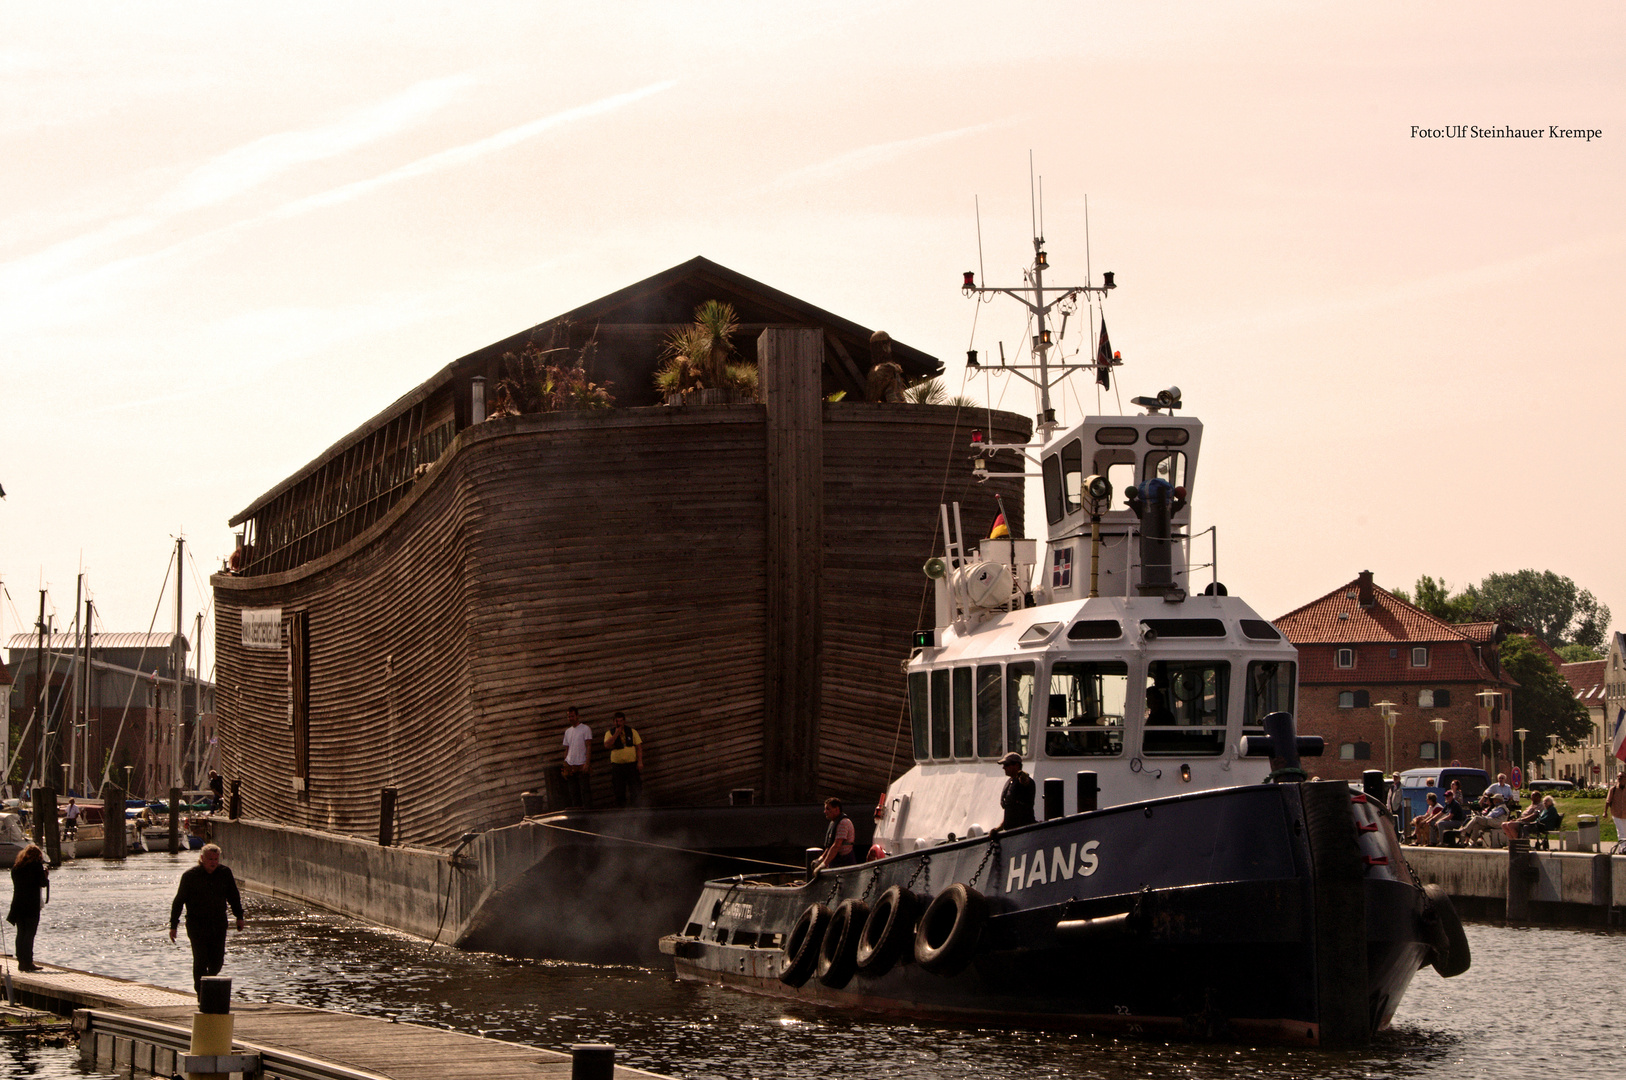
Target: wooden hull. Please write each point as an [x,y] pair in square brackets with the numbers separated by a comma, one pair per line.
[611,560]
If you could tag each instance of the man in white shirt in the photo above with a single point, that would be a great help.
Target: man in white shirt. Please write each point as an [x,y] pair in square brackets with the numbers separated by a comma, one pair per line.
[1500,788]
[578,744]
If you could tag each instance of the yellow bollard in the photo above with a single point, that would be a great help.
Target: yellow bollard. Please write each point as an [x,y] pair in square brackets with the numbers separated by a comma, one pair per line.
[211,1035]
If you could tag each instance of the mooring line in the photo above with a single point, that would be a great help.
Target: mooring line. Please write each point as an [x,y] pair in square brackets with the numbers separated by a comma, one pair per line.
[670,847]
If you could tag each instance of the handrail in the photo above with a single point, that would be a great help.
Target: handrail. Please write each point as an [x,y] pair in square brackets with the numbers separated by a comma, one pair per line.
[178,1038]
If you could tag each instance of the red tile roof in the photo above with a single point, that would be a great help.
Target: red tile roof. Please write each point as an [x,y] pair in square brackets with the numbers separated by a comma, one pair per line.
[1586,679]
[1339,617]
[1478,631]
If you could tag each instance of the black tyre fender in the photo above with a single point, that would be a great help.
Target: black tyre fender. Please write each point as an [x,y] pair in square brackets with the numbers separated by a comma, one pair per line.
[947,934]
[888,930]
[1451,954]
[838,950]
[802,945]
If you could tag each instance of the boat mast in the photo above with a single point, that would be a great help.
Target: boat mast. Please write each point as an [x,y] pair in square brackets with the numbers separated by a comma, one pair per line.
[73,678]
[179,662]
[1032,297]
[84,764]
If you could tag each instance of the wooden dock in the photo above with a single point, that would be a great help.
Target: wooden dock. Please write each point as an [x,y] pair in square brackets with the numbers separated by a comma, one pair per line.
[145,1029]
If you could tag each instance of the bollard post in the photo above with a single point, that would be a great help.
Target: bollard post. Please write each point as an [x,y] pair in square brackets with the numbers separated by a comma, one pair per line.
[236,800]
[592,1061]
[1519,865]
[47,833]
[1372,784]
[114,827]
[212,1023]
[1089,792]
[174,821]
[1055,793]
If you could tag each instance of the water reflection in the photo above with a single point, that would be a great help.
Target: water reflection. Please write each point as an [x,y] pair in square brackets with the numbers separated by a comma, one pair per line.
[1535,1000]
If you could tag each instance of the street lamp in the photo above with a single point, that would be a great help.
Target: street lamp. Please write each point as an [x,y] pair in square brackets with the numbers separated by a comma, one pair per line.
[1524,762]
[1484,734]
[1490,699]
[1552,752]
[1439,734]
[1387,708]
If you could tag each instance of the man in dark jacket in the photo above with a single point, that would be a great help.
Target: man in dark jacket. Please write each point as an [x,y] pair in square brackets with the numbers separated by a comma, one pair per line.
[205,892]
[1017,798]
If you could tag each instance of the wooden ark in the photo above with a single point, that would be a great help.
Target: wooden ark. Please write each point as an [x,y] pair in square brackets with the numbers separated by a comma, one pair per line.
[742,579]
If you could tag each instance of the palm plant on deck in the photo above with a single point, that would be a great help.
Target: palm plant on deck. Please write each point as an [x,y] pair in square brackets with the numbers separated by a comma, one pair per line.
[698,355]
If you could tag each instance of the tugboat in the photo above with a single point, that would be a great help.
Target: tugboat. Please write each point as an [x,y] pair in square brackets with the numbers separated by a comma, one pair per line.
[1186,877]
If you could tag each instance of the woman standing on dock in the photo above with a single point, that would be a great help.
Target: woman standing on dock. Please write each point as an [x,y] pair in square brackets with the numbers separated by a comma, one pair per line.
[29,880]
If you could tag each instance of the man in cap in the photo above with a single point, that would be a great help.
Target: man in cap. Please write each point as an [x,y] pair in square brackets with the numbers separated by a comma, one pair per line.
[1017,798]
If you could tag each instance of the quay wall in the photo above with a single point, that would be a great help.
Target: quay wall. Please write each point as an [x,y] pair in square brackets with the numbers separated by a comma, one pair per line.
[399,887]
[1561,887]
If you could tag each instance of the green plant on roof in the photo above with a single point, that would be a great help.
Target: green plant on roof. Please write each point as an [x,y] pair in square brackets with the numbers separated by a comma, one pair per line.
[550,379]
[698,356]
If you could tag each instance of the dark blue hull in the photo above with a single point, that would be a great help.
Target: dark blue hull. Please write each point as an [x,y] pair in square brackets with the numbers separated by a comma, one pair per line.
[1263,912]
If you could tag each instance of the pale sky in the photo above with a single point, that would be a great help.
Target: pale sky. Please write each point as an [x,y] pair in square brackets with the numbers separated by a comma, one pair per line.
[230,233]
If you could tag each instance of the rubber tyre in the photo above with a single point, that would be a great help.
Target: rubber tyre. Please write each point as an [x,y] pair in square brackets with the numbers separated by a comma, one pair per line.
[947,935]
[887,932]
[1451,954]
[838,950]
[802,945]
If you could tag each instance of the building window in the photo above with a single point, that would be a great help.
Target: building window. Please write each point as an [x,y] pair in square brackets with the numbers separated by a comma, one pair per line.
[1346,699]
[1346,752]
[1346,658]
[1425,699]
[1419,656]
[1355,751]
[1442,699]
[1426,751]
[1363,699]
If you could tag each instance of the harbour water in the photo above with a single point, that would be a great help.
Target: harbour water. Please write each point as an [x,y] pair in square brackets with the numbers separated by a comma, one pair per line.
[1538,1002]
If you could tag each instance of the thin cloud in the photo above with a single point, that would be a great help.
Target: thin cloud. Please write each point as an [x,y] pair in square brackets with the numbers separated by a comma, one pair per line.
[469,152]
[869,157]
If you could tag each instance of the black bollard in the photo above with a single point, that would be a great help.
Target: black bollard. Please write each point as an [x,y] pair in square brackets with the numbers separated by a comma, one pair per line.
[592,1061]
[386,817]
[47,830]
[236,800]
[1055,793]
[1372,784]
[214,994]
[114,828]
[1089,792]
[175,841]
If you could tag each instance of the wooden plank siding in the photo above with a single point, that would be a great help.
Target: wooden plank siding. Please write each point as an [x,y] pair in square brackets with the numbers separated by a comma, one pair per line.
[615,559]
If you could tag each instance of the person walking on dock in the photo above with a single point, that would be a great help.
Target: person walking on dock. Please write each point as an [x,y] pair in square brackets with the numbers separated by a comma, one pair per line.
[626,761]
[205,892]
[29,882]
[578,744]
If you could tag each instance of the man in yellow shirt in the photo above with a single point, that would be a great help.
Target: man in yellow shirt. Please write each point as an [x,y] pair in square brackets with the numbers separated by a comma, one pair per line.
[626,761]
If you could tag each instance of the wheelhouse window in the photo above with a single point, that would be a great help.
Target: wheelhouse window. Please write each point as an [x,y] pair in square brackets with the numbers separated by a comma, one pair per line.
[1052,489]
[1019,680]
[1167,465]
[1072,474]
[962,713]
[919,715]
[1185,707]
[1270,689]
[1085,717]
[990,710]
[940,713]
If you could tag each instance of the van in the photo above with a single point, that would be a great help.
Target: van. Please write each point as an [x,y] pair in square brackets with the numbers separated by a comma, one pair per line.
[1415,784]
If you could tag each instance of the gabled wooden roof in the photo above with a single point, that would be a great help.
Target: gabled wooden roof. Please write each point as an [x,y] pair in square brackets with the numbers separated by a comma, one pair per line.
[629,325]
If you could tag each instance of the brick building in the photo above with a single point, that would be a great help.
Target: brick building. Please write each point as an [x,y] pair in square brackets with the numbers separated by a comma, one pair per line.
[1361,646]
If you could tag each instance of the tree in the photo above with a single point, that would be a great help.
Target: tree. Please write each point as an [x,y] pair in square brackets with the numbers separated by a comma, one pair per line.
[1577,654]
[1435,598]
[1543,701]
[1552,607]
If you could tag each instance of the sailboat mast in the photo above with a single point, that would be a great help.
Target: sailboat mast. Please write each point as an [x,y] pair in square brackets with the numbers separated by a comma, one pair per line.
[179,668]
[84,765]
[73,678]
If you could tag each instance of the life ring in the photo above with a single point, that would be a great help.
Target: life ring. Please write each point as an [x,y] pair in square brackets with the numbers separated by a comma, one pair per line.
[802,945]
[889,928]
[838,950]
[947,934]
[1451,955]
